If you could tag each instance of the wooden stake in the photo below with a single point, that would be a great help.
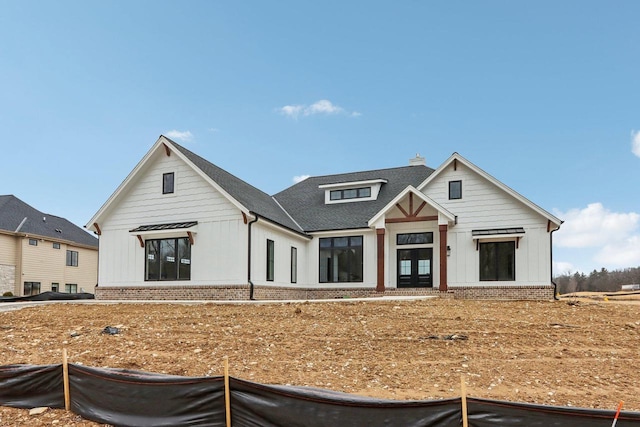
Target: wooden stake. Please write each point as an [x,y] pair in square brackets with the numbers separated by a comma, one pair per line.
[463,392]
[227,397]
[65,379]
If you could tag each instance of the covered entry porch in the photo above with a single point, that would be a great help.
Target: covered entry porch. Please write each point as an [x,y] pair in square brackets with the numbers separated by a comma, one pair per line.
[411,244]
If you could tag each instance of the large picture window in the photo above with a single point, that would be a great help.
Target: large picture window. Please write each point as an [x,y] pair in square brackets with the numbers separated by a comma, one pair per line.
[498,261]
[341,259]
[168,259]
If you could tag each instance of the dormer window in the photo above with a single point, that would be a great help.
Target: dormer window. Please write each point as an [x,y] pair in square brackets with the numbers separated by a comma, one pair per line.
[357,191]
[350,193]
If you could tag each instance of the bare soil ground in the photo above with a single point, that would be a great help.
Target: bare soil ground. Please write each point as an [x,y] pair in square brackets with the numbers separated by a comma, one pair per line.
[573,353]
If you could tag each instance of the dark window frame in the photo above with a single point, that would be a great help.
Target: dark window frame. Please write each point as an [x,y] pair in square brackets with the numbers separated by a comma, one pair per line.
[360,193]
[33,242]
[354,262]
[55,287]
[56,245]
[167,270]
[423,238]
[271,260]
[34,288]
[455,193]
[72,258]
[71,288]
[294,264]
[497,261]
[168,182]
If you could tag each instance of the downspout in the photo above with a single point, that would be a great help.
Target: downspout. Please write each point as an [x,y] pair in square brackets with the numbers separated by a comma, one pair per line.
[249,255]
[555,285]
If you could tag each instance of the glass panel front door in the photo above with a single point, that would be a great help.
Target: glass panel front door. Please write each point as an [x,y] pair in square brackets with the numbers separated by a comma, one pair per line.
[415,268]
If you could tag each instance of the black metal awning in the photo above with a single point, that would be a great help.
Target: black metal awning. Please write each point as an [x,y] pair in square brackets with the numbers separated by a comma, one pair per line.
[497,231]
[159,227]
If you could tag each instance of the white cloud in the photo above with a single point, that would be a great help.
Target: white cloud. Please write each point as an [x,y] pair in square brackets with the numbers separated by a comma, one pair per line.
[185,136]
[635,143]
[292,110]
[300,178]
[622,254]
[322,106]
[561,267]
[612,235]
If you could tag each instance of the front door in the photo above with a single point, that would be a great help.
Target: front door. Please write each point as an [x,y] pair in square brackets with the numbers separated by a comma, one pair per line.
[414,268]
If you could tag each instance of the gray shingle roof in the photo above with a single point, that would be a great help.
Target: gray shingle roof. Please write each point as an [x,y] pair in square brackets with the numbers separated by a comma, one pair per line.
[249,196]
[306,202]
[13,211]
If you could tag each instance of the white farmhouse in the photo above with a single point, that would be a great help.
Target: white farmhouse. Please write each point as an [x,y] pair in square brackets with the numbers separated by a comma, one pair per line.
[180,227]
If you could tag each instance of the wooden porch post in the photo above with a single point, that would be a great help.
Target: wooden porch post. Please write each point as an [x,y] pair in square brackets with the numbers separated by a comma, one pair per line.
[443,257]
[380,241]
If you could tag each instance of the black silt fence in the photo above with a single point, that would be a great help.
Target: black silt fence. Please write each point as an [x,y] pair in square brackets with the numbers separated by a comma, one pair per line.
[133,398]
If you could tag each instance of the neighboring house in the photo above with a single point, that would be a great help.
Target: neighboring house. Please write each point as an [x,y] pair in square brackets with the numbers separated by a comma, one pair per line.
[41,252]
[180,227]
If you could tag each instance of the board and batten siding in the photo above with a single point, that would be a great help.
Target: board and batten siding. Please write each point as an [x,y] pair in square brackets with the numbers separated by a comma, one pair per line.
[485,206]
[283,242]
[218,256]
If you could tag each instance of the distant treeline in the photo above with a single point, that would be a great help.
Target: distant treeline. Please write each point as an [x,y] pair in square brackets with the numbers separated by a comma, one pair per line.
[597,281]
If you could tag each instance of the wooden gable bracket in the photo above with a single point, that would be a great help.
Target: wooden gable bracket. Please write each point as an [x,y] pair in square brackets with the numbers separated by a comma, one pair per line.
[97,227]
[190,235]
[244,218]
[140,240]
[412,215]
[167,150]
[455,164]
[548,225]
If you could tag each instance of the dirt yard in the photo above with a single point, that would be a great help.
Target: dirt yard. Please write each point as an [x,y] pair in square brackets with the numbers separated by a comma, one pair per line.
[572,353]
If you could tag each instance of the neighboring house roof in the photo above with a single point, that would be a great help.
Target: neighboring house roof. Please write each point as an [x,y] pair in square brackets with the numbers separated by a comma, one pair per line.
[306,201]
[18,217]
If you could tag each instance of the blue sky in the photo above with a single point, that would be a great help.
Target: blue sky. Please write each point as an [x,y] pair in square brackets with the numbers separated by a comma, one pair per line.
[541,95]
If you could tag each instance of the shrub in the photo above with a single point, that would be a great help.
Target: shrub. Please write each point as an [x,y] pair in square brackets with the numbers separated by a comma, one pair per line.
[7,294]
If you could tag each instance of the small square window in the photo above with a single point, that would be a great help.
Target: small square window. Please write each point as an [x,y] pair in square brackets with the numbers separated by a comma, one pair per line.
[33,242]
[55,287]
[455,190]
[56,245]
[167,183]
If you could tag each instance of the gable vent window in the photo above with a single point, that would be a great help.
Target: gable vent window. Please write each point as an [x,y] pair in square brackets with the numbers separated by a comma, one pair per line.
[167,183]
[351,193]
[455,190]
